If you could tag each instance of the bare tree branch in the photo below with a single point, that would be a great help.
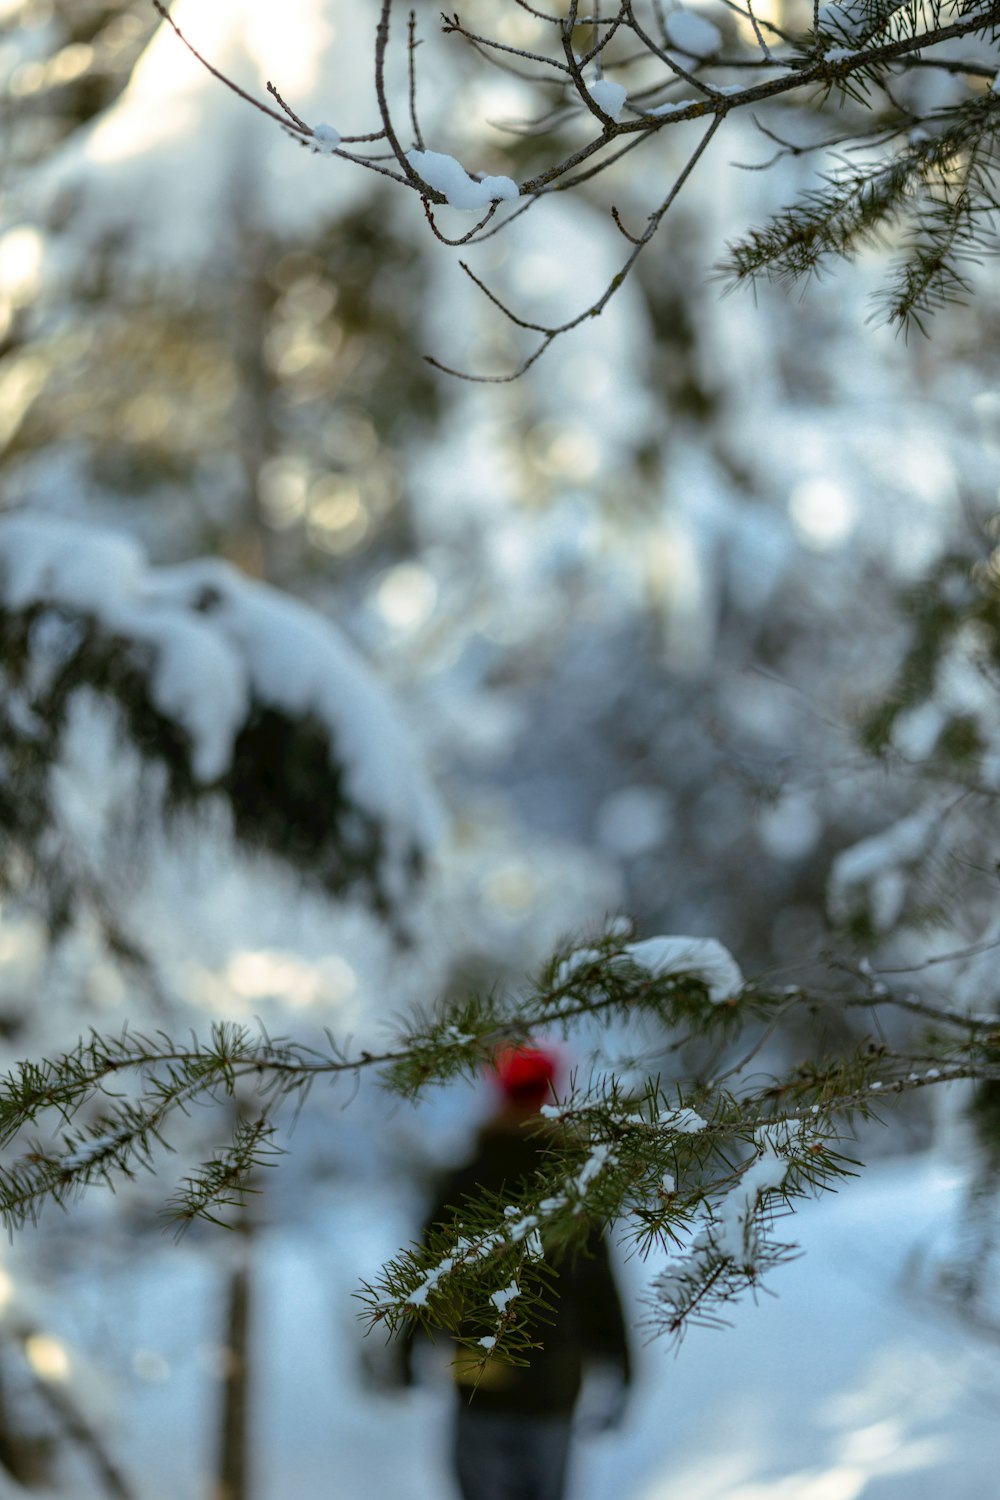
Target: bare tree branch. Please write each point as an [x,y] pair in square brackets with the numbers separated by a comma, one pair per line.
[810,69]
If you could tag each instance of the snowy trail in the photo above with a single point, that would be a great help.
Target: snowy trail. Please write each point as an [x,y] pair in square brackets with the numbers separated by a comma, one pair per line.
[846,1384]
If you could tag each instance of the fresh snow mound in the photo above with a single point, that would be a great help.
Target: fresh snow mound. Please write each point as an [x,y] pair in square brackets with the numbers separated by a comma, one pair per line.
[462,191]
[44,560]
[609,96]
[705,958]
[693,34]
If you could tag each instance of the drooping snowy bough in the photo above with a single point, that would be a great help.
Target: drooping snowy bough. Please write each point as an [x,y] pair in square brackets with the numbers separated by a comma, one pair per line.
[704,1164]
[232,694]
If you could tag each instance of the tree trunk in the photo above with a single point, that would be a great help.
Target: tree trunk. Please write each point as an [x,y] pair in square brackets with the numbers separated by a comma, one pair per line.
[233,1474]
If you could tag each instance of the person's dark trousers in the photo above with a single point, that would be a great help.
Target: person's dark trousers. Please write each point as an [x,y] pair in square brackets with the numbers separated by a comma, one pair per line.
[510,1455]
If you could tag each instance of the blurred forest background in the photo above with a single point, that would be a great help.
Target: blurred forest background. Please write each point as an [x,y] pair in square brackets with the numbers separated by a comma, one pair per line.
[695,621]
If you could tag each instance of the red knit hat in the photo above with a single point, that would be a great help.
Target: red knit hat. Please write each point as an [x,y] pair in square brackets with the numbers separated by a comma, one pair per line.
[526,1074]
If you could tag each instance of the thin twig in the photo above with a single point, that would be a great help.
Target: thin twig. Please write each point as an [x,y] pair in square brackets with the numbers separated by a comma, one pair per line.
[566,185]
[488,234]
[765,1036]
[381,46]
[464,239]
[988,945]
[373,165]
[917,1007]
[594,55]
[287,108]
[522,369]
[616,216]
[455,26]
[758,33]
[234,87]
[596,308]
[575,66]
[539,15]
[771,26]
[879,137]
[412,46]
[664,56]
[502,306]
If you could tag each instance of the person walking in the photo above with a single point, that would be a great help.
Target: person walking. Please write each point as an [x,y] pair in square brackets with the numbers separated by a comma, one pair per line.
[513,1424]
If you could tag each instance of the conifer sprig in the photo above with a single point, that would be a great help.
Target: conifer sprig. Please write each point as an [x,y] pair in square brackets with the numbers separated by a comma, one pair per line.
[940,188]
[226,1180]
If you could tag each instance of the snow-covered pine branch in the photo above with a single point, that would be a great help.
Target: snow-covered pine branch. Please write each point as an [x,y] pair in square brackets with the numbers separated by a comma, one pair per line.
[231,692]
[704,1165]
[706,1168]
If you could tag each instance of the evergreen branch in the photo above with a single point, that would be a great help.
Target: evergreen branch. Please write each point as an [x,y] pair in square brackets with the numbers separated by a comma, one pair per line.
[858,205]
[619,1144]
[704,1171]
[720,1213]
[946,234]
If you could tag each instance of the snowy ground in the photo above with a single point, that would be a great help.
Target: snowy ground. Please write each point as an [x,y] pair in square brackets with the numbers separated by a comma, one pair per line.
[848,1383]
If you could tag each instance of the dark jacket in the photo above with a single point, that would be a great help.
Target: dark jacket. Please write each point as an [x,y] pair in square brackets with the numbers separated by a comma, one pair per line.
[586,1324]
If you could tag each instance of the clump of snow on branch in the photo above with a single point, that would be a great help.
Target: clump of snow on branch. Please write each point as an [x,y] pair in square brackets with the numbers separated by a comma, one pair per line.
[662,957]
[501,1300]
[326,139]
[729,1245]
[735,1227]
[681,1121]
[600,1157]
[672,107]
[449,177]
[609,96]
[703,958]
[669,1122]
[583,958]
